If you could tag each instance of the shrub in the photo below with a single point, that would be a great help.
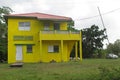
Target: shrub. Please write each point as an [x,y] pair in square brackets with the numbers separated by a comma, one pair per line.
[107,74]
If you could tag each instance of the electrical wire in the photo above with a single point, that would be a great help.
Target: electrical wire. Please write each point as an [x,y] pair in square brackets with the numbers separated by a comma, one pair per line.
[103,24]
[101,18]
[99,15]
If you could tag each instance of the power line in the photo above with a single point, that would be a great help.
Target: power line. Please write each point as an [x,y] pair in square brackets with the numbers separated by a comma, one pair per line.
[101,14]
[103,23]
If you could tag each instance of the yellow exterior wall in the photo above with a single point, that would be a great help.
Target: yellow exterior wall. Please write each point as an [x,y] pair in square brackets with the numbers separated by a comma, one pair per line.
[58,57]
[63,26]
[40,41]
[36,26]
[49,56]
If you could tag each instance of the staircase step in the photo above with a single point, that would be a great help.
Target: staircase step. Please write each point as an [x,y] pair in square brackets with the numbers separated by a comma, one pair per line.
[17,64]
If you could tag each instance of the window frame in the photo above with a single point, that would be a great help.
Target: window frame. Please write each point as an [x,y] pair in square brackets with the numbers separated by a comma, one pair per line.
[56,26]
[53,49]
[46,26]
[29,48]
[24,26]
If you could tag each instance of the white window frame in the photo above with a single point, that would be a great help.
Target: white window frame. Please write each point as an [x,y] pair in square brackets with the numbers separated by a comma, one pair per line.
[51,49]
[24,26]
[46,26]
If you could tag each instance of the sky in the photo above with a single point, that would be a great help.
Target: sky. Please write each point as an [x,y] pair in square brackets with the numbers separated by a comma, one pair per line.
[81,11]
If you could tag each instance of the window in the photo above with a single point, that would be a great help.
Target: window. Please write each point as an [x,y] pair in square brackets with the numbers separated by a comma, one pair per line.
[24,26]
[56,26]
[29,48]
[46,26]
[54,48]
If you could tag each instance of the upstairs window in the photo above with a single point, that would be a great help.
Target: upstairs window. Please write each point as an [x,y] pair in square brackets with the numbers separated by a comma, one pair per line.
[24,26]
[56,26]
[53,49]
[46,26]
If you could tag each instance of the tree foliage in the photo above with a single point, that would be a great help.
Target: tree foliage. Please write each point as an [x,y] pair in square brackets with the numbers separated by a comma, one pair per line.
[92,41]
[3,27]
[70,26]
[114,48]
[3,32]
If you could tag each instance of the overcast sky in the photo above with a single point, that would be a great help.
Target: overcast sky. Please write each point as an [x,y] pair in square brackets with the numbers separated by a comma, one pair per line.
[78,10]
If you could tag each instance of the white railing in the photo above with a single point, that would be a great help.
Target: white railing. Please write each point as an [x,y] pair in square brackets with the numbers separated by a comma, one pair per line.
[59,32]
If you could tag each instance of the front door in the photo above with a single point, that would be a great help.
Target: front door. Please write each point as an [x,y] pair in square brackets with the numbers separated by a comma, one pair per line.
[19,53]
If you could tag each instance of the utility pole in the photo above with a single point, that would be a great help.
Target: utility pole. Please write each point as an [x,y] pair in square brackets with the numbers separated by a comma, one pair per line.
[103,24]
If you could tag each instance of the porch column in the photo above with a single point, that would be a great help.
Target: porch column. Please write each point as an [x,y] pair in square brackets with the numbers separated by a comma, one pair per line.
[80,44]
[61,50]
[76,51]
[40,50]
[40,46]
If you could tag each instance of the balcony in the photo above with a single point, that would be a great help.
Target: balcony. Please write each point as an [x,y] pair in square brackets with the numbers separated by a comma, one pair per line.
[60,35]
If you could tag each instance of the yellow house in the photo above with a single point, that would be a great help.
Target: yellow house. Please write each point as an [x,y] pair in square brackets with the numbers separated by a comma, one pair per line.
[38,37]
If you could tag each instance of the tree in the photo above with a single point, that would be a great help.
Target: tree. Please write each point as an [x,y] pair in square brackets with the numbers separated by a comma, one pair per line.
[110,48]
[114,48]
[3,32]
[3,27]
[92,41]
[70,26]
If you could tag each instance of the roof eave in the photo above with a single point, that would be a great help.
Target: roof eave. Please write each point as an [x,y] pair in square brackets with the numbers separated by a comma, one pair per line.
[68,20]
[19,16]
[51,19]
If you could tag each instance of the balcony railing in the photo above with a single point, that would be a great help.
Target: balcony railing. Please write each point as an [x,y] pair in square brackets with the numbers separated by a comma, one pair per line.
[59,35]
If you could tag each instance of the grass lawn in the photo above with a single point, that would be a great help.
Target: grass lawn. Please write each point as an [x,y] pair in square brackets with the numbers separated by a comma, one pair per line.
[57,71]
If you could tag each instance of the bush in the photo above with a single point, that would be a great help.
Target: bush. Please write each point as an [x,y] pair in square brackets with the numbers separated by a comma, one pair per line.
[107,74]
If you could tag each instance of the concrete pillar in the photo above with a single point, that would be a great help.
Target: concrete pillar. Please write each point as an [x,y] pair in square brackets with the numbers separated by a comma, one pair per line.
[76,51]
[40,46]
[61,50]
[40,50]
[80,44]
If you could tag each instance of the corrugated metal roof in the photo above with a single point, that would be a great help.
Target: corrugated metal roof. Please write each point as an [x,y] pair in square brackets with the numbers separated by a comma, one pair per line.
[41,16]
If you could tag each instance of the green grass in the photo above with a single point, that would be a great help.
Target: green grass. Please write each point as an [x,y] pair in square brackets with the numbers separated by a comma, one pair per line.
[57,71]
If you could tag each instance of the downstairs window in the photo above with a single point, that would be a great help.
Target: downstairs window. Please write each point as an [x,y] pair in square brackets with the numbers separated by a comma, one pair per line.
[29,48]
[53,48]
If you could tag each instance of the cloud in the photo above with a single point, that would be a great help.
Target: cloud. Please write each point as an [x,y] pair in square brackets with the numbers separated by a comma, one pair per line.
[77,9]
[30,6]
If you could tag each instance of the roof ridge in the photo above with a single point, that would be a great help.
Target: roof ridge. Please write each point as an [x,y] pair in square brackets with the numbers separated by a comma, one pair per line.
[22,13]
[40,13]
[41,16]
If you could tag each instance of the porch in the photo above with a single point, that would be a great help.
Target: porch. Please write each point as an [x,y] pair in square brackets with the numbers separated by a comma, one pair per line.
[63,37]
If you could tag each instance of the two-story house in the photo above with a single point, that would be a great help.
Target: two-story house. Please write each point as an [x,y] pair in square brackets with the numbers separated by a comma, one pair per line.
[38,37]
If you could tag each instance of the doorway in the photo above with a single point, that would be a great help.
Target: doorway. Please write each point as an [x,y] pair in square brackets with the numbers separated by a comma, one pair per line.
[19,53]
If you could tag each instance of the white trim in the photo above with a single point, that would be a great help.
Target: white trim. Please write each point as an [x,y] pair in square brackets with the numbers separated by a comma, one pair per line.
[24,26]
[50,48]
